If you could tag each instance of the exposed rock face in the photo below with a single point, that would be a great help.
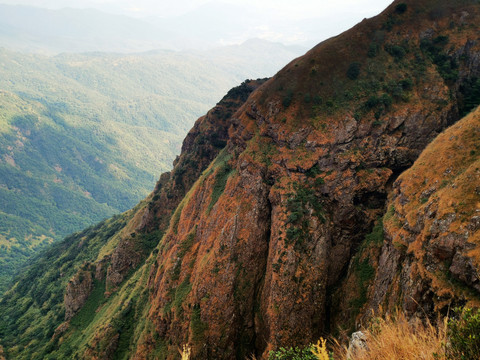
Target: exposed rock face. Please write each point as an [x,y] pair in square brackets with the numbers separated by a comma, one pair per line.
[358,342]
[257,246]
[78,290]
[60,330]
[431,231]
[202,144]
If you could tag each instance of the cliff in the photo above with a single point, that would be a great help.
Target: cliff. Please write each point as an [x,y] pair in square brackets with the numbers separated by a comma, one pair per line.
[429,260]
[272,228]
[286,216]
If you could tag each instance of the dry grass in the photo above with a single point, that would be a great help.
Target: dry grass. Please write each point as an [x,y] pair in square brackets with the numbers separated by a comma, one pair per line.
[185,352]
[396,338]
[320,350]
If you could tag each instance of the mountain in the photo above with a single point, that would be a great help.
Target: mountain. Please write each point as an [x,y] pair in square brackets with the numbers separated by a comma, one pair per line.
[84,136]
[213,24]
[76,30]
[298,206]
[32,29]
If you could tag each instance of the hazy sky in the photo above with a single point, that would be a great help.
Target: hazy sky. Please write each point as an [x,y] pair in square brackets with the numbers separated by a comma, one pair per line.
[291,8]
[291,22]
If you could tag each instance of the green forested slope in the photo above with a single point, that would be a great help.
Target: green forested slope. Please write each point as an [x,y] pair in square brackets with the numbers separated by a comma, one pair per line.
[84,136]
[41,294]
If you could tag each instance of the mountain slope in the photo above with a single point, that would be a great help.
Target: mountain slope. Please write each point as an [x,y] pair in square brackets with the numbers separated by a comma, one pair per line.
[84,136]
[106,246]
[267,238]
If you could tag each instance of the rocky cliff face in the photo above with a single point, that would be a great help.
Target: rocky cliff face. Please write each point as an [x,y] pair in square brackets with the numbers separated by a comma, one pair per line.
[429,261]
[77,292]
[202,144]
[285,217]
[266,236]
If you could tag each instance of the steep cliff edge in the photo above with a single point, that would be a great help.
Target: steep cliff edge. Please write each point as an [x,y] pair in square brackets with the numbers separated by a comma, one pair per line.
[202,144]
[267,235]
[58,295]
[260,234]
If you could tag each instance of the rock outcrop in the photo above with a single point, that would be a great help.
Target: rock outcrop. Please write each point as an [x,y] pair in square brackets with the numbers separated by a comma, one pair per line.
[429,262]
[202,144]
[77,292]
[267,234]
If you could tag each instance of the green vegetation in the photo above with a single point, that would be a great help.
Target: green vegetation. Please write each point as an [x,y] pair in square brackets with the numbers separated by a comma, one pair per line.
[397,51]
[197,325]
[401,8]
[293,353]
[186,244]
[299,204]
[353,70]
[181,293]
[287,100]
[33,309]
[121,317]
[471,95]
[464,335]
[447,65]
[365,273]
[376,236]
[223,172]
[146,242]
[87,312]
[85,136]
[362,268]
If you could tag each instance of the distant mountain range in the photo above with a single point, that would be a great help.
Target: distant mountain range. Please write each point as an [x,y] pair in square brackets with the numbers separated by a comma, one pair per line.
[30,28]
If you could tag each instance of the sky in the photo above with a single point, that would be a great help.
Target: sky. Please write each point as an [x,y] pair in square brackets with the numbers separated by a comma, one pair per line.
[296,9]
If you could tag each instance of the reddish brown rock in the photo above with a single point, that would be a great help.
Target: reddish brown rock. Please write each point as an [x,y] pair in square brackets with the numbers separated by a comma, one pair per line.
[430,260]
[257,251]
[266,245]
[77,292]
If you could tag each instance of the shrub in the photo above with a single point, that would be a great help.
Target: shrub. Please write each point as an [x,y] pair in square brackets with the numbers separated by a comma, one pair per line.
[293,353]
[397,51]
[386,100]
[470,90]
[464,336]
[447,65]
[406,84]
[317,100]
[223,173]
[401,8]
[373,50]
[287,100]
[353,70]
[372,102]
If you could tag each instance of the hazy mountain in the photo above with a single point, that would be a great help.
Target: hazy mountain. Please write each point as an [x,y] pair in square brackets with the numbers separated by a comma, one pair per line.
[75,30]
[211,25]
